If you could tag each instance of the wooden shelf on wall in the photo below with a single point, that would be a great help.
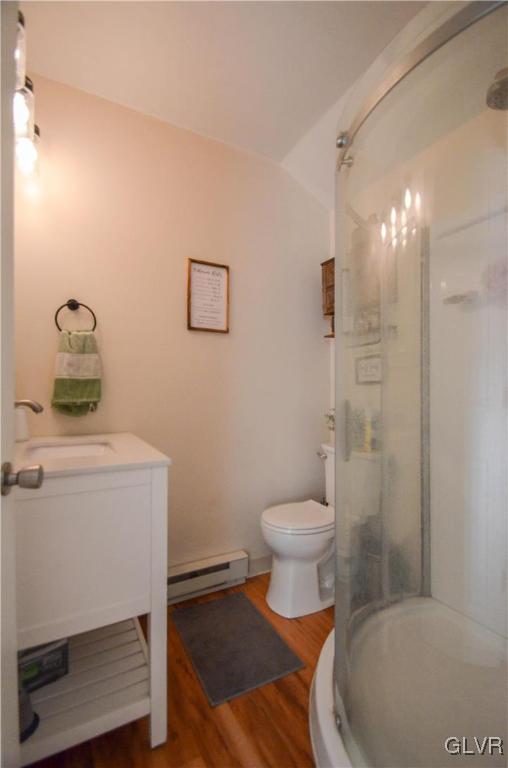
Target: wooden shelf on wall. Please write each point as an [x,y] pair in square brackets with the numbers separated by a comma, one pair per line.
[328,293]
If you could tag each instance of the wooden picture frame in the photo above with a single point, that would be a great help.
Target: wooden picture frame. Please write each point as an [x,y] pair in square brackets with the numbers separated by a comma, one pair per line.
[207,296]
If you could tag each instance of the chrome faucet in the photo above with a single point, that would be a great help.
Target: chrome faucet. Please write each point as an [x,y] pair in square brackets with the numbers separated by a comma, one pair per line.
[32,404]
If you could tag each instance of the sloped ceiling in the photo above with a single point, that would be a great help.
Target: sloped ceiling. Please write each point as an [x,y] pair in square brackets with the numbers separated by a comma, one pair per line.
[256,75]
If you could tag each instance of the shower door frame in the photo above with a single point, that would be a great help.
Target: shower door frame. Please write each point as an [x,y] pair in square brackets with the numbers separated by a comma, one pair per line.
[450,28]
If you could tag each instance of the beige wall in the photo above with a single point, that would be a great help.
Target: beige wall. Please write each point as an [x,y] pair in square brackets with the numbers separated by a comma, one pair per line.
[123,201]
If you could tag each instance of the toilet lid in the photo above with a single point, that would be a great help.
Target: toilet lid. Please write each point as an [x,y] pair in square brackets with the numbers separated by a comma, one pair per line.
[300,516]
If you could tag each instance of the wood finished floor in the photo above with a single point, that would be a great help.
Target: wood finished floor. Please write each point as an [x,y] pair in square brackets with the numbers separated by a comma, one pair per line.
[266,727]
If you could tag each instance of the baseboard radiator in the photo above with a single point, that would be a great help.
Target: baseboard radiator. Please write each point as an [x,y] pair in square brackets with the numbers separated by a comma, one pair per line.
[202,576]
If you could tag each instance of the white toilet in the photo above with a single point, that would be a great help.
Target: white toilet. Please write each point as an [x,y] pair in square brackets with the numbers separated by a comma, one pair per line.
[301,537]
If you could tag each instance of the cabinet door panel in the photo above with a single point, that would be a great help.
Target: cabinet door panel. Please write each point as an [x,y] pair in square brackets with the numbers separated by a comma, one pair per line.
[83,560]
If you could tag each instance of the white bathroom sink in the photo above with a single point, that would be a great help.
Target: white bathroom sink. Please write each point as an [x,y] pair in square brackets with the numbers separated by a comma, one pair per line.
[83,454]
[66,450]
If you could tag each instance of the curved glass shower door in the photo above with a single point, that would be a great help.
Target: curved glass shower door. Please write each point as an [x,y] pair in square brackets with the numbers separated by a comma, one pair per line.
[421,606]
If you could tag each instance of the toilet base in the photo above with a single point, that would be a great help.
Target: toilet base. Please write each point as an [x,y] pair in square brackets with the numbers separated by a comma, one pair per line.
[295,589]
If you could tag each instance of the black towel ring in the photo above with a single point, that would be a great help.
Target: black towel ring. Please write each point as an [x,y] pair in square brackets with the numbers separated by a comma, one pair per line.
[73,305]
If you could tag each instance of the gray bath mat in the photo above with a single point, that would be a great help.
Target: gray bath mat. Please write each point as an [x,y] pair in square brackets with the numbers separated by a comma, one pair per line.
[233,647]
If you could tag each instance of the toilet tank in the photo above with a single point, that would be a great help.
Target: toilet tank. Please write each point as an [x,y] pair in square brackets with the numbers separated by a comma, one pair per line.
[329,451]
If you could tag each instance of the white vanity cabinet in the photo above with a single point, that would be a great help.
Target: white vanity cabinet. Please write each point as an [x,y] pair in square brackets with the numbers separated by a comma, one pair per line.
[91,556]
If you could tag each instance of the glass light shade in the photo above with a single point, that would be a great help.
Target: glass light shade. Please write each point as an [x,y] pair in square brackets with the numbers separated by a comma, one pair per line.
[20,52]
[27,154]
[23,110]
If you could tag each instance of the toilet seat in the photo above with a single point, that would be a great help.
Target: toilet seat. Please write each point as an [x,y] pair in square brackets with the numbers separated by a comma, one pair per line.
[299,518]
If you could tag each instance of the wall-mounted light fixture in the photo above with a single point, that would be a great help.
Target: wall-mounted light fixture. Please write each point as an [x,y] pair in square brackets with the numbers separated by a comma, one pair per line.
[24,108]
[26,132]
[20,52]
[27,153]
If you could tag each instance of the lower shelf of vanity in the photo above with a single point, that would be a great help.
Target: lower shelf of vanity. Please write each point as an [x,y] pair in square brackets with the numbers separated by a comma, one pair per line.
[107,686]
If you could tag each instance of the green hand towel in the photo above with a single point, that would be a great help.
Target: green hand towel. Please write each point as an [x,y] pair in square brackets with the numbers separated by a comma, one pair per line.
[77,388]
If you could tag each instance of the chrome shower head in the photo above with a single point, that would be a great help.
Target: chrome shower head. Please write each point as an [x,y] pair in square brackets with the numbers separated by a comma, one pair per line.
[497,95]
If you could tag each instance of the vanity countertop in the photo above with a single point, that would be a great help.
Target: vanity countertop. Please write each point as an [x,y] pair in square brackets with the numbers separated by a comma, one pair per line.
[85,454]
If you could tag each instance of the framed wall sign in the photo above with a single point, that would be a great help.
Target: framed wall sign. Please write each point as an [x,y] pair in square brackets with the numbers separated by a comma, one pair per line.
[368,369]
[207,297]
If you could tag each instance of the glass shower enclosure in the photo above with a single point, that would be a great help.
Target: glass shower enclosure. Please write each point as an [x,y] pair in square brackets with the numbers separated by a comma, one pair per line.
[421,378]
